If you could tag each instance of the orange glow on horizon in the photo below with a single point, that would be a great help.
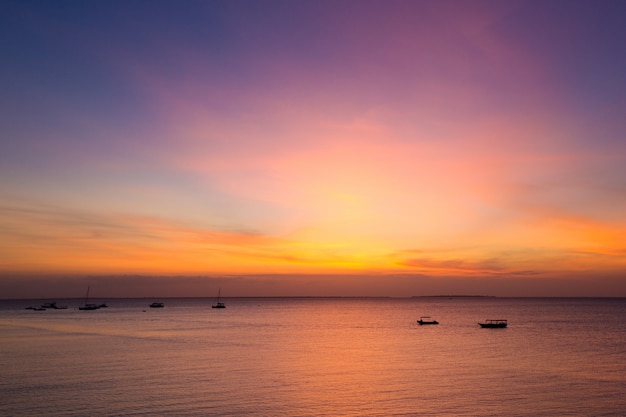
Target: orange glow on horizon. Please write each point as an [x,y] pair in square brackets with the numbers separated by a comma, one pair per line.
[131,244]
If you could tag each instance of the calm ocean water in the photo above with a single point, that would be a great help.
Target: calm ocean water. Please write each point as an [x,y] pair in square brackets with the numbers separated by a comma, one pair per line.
[315,357]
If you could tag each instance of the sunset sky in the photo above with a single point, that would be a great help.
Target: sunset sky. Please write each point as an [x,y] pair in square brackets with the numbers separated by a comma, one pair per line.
[313,147]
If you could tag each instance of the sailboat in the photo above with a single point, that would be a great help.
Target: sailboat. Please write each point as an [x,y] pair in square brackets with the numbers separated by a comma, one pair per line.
[88,306]
[218,304]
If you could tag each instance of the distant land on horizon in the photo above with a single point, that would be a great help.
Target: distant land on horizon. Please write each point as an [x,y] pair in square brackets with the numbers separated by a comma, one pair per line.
[459,296]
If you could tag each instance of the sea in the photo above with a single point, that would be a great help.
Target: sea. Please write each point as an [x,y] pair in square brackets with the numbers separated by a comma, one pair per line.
[315,357]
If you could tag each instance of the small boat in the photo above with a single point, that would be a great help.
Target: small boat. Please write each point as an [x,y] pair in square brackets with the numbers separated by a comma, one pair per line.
[426,320]
[53,306]
[88,306]
[157,305]
[218,304]
[494,324]
[39,309]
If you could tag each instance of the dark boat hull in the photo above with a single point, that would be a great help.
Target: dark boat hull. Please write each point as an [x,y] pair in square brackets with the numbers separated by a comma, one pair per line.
[492,325]
[422,322]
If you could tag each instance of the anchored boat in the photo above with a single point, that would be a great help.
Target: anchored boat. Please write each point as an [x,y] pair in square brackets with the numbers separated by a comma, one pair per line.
[494,324]
[219,304]
[86,305]
[426,320]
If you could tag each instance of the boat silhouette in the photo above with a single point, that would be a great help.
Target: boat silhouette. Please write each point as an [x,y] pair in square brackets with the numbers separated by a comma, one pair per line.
[218,304]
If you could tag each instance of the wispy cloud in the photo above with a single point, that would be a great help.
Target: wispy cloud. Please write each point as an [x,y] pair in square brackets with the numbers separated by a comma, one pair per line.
[58,239]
